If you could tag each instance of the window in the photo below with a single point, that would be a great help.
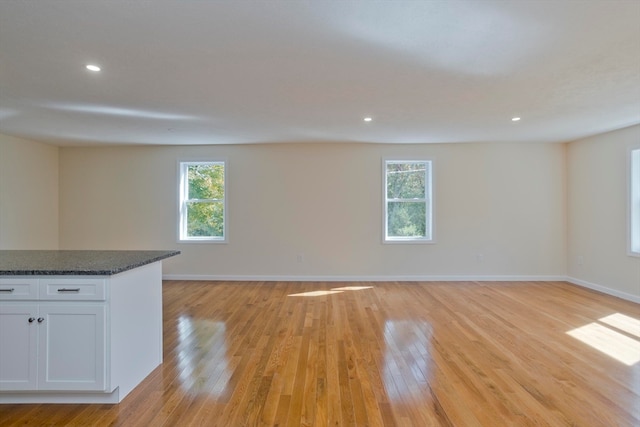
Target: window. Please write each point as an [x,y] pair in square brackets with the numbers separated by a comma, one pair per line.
[407,202]
[634,203]
[203,201]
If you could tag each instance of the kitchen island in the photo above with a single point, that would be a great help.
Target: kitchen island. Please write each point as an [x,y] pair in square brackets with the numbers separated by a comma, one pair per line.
[78,326]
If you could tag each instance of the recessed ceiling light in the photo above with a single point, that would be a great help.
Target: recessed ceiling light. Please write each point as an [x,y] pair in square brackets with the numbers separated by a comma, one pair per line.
[367,119]
[92,67]
[515,119]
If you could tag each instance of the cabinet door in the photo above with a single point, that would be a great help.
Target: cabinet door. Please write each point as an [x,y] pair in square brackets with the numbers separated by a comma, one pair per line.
[18,346]
[72,343]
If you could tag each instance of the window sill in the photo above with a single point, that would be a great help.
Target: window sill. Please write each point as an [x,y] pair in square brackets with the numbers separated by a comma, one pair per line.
[203,241]
[408,242]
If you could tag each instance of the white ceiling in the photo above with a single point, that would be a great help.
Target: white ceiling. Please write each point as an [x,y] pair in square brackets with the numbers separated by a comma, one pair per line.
[221,72]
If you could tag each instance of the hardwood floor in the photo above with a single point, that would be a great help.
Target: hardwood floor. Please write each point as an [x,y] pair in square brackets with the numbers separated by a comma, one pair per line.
[380,354]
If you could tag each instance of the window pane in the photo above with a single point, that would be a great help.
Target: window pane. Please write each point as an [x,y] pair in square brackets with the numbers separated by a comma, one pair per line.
[406,180]
[205,219]
[206,181]
[634,203]
[406,219]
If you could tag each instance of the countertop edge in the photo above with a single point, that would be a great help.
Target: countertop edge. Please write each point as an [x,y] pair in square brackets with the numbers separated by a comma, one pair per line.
[90,272]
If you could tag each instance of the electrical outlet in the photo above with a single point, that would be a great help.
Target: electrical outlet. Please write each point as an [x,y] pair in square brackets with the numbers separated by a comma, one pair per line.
[300,258]
[480,257]
[580,260]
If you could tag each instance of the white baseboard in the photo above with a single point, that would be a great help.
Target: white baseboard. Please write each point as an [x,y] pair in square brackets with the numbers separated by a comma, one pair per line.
[604,289]
[444,278]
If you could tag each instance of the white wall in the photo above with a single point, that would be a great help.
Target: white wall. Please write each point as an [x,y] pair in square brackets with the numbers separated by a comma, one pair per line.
[506,202]
[597,213]
[28,194]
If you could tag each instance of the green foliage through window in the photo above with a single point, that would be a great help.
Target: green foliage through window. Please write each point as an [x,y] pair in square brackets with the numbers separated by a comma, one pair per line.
[407,198]
[202,201]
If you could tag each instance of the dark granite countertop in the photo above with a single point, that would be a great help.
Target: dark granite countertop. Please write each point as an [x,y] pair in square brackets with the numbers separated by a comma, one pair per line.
[76,263]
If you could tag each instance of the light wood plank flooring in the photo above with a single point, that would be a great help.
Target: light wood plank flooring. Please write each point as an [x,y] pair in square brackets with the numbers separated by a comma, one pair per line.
[380,354]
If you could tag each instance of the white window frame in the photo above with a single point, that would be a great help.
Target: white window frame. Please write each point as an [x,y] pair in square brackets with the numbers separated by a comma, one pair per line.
[634,203]
[428,200]
[183,189]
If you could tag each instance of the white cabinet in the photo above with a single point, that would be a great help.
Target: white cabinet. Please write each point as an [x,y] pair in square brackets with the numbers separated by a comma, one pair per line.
[71,345]
[18,346]
[18,289]
[79,339]
[46,345]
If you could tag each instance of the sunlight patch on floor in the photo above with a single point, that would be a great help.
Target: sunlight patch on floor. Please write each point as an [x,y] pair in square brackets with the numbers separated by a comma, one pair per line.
[624,323]
[332,291]
[315,293]
[619,346]
[352,288]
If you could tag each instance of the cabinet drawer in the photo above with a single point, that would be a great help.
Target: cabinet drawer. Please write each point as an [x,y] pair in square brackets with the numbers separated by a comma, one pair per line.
[18,289]
[72,289]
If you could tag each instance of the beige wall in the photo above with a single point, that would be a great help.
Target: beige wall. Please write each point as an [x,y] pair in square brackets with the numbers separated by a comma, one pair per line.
[597,212]
[505,202]
[28,194]
[530,210]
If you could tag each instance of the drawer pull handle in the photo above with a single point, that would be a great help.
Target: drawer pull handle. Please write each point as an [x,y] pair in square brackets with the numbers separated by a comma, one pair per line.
[31,319]
[40,319]
[8,290]
[69,290]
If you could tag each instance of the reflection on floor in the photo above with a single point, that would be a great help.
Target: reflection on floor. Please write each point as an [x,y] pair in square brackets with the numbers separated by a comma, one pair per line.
[409,341]
[202,356]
